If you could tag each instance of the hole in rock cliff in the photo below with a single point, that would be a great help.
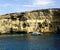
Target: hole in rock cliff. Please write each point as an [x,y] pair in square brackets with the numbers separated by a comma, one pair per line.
[58,29]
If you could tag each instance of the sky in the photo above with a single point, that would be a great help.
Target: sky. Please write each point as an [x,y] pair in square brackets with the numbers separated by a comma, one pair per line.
[11,6]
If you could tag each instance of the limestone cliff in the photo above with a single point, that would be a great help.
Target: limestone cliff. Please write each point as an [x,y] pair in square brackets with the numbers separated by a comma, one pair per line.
[47,21]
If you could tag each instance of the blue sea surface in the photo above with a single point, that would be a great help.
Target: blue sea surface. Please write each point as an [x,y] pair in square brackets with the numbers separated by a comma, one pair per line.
[29,42]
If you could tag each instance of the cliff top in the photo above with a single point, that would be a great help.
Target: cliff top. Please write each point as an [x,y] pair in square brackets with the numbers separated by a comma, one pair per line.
[32,14]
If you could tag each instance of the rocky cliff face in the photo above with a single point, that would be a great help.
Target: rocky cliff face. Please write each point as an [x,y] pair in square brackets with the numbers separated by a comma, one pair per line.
[26,21]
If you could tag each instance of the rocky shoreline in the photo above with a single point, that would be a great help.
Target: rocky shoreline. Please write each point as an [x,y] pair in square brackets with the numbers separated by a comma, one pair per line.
[48,20]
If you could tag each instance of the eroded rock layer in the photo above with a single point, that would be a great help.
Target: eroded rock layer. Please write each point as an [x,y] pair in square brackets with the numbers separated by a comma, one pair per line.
[45,20]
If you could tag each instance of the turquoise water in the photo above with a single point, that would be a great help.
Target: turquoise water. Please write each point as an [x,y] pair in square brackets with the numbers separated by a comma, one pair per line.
[29,42]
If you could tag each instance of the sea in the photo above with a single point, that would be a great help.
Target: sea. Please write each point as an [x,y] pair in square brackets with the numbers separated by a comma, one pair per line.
[30,42]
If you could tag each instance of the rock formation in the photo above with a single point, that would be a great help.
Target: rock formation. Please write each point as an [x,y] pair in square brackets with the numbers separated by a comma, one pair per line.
[47,21]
